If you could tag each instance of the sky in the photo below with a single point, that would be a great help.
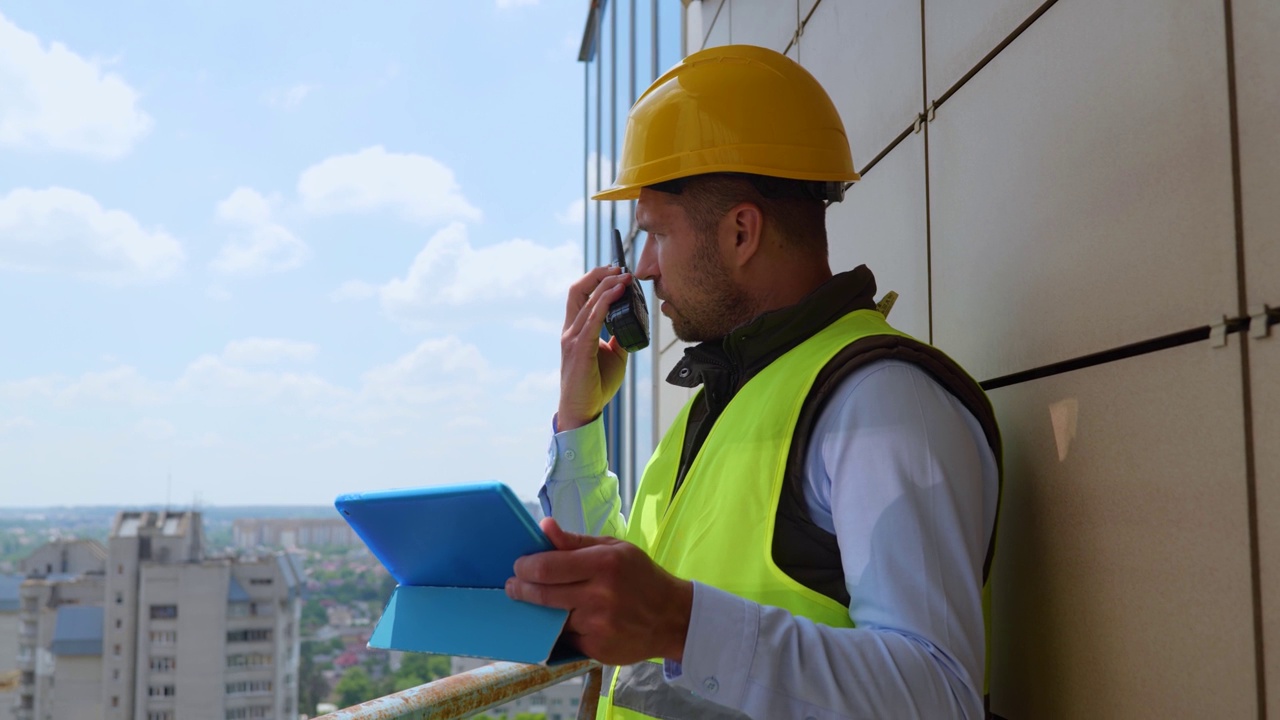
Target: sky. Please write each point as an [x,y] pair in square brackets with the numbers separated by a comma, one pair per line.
[263,253]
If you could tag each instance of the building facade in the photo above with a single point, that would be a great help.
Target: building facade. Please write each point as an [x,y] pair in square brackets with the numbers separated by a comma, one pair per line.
[190,636]
[60,646]
[1078,202]
[10,603]
[312,533]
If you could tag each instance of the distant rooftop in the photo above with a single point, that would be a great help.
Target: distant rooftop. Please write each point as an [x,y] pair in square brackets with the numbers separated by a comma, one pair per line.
[78,630]
[132,523]
[9,584]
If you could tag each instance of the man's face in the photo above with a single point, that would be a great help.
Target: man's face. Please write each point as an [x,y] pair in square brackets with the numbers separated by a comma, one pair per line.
[689,273]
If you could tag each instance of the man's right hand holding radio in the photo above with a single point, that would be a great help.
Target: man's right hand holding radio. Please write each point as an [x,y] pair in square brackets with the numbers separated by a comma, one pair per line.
[591,370]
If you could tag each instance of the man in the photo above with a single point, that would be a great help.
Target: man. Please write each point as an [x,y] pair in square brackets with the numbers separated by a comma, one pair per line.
[812,535]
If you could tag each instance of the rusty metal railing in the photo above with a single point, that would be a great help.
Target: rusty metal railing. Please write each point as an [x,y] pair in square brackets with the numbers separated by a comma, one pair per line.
[468,693]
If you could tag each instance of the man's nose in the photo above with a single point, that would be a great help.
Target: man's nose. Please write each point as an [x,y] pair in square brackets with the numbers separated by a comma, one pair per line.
[647,267]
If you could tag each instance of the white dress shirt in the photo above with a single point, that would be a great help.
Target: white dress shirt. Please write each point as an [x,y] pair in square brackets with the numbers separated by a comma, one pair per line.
[903,476]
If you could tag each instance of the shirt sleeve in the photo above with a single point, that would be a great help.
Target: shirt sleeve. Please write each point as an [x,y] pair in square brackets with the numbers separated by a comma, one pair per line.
[908,483]
[579,491]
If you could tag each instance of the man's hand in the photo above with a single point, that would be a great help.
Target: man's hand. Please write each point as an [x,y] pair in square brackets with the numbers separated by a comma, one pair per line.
[591,369]
[623,608]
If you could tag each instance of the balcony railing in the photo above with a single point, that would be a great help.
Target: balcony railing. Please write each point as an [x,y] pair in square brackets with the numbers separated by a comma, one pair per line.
[468,693]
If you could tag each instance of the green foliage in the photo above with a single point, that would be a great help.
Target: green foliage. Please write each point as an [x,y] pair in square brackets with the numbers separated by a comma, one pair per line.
[416,669]
[313,616]
[531,716]
[354,688]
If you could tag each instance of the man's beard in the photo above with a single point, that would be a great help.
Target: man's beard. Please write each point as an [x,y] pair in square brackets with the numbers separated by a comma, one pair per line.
[721,305]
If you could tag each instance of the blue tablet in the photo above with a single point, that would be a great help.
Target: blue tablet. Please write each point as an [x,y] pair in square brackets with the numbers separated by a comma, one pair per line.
[451,536]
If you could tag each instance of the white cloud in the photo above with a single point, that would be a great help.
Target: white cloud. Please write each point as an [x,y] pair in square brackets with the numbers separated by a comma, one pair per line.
[8,425]
[259,244]
[121,384]
[437,370]
[449,272]
[535,387]
[222,381]
[268,351]
[51,98]
[353,290]
[421,188]
[63,230]
[576,212]
[289,98]
[154,429]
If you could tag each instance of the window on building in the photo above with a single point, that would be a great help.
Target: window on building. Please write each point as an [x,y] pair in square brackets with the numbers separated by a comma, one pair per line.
[238,610]
[251,635]
[28,677]
[164,612]
[164,637]
[119,598]
[116,650]
[115,701]
[160,691]
[163,663]
[119,623]
[115,674]
[119,569]
[260,581]
[160,715]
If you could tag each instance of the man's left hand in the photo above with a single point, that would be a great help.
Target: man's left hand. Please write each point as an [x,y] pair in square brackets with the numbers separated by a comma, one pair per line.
[623,608]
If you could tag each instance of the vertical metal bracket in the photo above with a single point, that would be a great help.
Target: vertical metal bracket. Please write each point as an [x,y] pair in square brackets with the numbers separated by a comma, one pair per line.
[1218,332]
[932,112]
[1259,326]
[919,124]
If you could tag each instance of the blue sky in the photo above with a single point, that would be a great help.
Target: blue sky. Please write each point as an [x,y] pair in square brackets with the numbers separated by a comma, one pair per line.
[282,253]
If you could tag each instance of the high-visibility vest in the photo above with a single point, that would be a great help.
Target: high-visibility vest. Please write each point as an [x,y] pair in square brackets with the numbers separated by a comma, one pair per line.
[718,529]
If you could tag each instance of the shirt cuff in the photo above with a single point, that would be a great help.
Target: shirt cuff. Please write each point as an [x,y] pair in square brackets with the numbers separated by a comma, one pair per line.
[720,647]
[580,452]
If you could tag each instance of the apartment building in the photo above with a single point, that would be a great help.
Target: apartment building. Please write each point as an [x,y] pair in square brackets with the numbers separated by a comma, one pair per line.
[59,654]
[9,674]
[313,533]
[191,636]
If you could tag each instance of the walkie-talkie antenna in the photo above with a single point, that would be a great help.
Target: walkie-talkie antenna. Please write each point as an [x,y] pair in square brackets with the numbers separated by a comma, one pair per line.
[619,253]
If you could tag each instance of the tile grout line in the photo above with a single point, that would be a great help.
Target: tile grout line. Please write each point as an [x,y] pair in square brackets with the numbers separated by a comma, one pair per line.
[928,210]
[1246,380]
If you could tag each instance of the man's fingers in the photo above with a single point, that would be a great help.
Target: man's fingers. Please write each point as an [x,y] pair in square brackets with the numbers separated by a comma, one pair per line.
[565,597]
[581,291]
[591,313]
[565,540]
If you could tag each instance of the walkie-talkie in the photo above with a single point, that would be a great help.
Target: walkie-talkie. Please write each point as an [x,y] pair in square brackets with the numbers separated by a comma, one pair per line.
[628,317]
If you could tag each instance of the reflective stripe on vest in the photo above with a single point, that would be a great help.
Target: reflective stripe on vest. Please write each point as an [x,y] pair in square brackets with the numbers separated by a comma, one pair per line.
[718,529]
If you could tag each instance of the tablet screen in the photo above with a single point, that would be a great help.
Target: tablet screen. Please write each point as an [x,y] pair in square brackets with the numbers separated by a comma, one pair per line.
[455,536]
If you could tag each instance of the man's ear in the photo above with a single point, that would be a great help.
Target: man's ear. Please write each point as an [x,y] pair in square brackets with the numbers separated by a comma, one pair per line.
[747,226]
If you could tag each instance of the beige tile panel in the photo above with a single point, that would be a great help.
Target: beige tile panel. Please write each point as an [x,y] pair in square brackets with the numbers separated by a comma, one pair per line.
[1080,187]
[881,224]
[1122,583]
[1257,28]
[715,23]
[866,54]
[1264,363]
[767,23]
[959,33]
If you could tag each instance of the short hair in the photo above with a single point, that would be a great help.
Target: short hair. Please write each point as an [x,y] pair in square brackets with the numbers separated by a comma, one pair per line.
[791,207]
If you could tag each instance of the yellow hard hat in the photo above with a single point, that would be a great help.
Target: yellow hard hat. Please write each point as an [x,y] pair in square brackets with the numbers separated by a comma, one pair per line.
[732,108]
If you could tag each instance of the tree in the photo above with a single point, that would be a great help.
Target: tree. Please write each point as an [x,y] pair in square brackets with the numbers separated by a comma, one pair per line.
[313,616]
[354,688]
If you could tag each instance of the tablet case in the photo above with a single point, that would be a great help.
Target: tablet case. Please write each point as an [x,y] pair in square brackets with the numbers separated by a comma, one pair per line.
[451,550]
